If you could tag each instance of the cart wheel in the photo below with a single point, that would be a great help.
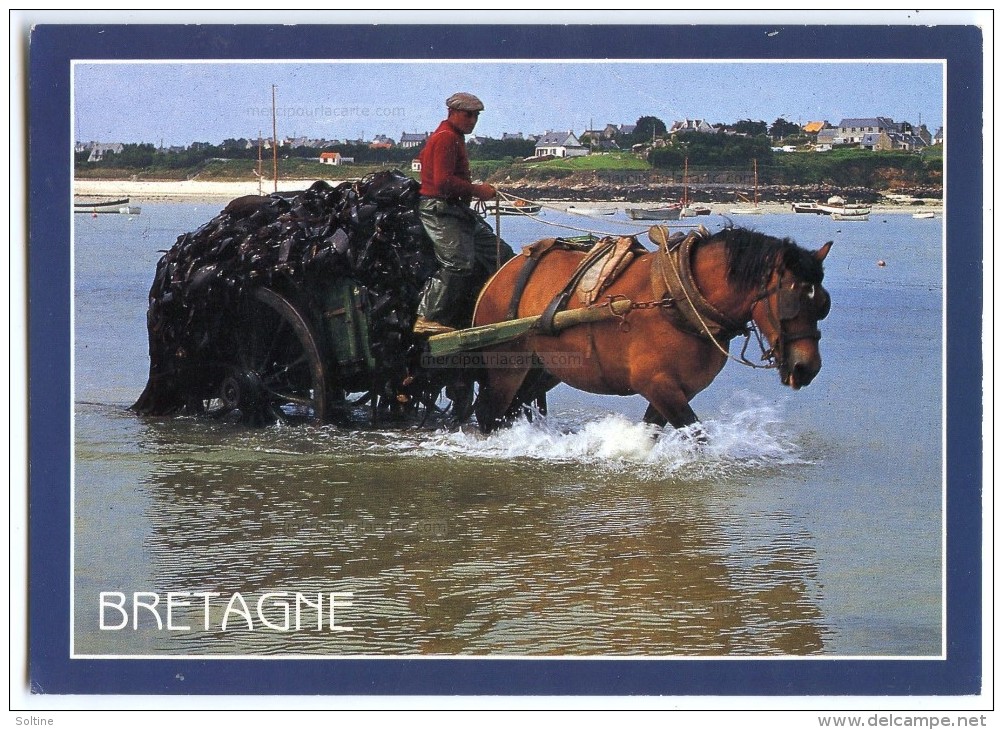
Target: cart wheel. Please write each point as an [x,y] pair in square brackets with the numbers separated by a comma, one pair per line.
[280,372]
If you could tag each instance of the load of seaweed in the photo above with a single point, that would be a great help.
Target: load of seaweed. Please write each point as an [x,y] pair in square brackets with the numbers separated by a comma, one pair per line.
[294,243]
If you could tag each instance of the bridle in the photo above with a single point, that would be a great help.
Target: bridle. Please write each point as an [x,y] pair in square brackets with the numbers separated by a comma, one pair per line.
[790,297]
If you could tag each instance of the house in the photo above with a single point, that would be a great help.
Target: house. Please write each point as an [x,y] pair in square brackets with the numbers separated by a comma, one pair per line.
[560,144]
[692,125]
[381,142]
[98,150]
[938,136]
[826,139]
[413,139]
[416,165]
[876,141]
[853,129]
[814,127]
[511,135]
[335,158]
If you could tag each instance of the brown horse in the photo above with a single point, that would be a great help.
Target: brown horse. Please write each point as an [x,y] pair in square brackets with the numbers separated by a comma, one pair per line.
[689,299]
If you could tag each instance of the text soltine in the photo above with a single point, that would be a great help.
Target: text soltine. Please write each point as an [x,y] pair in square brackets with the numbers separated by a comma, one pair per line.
[209,610]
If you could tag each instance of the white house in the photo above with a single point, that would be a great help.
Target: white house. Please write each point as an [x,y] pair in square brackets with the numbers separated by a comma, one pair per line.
[413,139]
[335,158]
[692,125]
[560,144]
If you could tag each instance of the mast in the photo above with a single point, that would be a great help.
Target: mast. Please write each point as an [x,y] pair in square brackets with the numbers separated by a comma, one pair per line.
[755,183]
[275,145]
[686,178]
[259,163]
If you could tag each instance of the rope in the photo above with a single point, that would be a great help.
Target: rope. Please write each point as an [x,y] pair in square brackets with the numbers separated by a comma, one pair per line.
[636,230]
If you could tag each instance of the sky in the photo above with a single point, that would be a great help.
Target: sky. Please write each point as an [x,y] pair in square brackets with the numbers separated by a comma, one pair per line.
[180,103]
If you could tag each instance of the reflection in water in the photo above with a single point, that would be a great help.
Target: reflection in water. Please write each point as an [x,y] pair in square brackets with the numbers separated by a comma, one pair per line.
[446,552]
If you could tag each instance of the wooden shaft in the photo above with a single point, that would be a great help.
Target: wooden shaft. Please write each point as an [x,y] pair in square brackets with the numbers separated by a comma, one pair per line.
[486,335]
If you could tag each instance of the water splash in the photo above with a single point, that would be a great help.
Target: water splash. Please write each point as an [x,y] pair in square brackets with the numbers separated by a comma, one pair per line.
[747,433]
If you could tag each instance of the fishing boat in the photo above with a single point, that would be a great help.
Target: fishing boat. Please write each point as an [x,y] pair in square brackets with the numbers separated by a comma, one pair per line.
[119,209]
[515,207]
[102,203]
[120,206]
[837,205]
[851,216]
[668,213]
[925,215]
[807,208]
[754,209]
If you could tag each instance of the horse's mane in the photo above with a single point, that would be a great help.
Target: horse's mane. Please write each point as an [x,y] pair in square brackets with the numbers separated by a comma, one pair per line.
[752,255]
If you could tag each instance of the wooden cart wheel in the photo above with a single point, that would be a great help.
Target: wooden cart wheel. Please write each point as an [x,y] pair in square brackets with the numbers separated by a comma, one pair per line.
[280,372]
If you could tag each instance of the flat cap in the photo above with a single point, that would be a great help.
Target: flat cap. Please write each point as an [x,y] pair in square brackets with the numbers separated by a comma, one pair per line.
[465,102]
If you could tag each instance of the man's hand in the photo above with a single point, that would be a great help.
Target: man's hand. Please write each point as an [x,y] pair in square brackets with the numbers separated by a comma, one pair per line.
[484,191]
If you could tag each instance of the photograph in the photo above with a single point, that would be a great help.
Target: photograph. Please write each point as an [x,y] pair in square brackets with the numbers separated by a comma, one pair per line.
[601,360]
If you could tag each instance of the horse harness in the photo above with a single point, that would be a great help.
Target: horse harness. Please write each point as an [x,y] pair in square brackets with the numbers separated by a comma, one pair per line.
[675,286]
[604,261]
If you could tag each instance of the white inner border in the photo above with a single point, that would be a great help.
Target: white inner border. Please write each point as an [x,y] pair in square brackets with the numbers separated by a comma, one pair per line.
[479,657]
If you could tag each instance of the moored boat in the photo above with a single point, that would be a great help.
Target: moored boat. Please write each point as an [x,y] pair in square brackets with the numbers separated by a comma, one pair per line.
[926,214]
[120,209]
[591,211]
[514,207]
[837,205]
[667,213]
[102,203]
[851,216]
[807,208]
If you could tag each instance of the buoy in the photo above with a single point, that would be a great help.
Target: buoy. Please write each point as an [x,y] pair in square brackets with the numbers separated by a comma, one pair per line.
[881,262]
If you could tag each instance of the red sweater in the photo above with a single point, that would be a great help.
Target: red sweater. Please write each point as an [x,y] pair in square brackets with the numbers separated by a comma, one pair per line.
[445,169]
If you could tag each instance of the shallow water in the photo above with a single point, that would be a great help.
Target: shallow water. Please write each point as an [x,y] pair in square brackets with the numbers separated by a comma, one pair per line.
[811,524]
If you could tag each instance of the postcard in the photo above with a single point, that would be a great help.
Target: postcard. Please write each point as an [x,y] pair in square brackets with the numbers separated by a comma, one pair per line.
[527,360]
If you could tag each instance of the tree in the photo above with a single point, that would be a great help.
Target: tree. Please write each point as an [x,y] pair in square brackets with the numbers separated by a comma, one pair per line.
[781,128]
[750,128]
[646,129]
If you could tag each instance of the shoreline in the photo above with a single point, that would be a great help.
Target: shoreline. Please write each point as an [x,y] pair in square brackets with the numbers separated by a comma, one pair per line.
[181,191]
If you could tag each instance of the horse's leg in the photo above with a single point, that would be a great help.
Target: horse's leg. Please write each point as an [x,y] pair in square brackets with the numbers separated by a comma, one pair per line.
[498,389]
[668,404]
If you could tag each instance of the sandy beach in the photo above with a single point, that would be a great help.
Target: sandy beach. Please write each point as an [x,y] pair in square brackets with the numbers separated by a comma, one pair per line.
[196,190]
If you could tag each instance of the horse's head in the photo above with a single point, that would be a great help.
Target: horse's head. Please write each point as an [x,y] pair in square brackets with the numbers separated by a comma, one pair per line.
[787,311]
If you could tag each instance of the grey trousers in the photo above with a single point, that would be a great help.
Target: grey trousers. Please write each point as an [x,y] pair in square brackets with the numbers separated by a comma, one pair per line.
[467,251]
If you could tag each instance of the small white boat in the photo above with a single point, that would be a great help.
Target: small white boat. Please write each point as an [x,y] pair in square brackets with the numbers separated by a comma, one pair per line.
[851,216]
[516,207]
[924,215]
[838,206]
[747,211]
[591,211]
[694,209]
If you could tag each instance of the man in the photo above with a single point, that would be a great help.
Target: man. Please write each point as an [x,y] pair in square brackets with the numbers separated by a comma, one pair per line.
[465,246]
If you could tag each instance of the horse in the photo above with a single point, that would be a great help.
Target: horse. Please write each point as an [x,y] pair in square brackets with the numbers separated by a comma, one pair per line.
[688,300]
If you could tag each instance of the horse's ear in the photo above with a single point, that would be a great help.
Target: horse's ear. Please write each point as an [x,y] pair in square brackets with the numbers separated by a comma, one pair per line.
[823,252]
